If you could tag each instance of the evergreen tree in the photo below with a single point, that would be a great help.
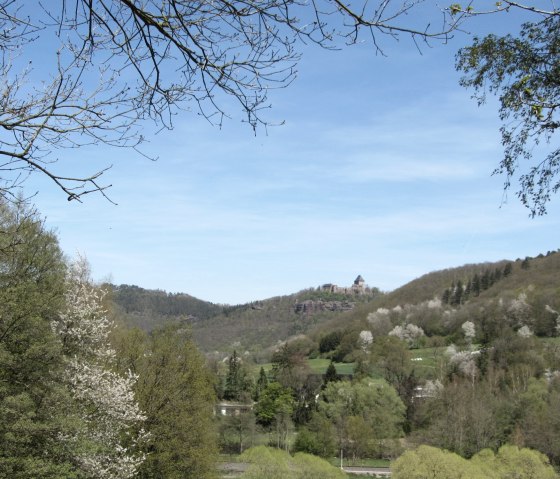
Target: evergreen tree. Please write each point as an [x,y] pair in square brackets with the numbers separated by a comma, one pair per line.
[233,387]
[330,375]
[485,280]
[508,268]
[457,297]
[497,274]
[467,292]
[262,383]
[446,296]
[475,285]
[491,278]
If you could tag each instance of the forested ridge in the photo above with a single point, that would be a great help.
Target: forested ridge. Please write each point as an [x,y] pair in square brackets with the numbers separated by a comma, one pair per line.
[261,324]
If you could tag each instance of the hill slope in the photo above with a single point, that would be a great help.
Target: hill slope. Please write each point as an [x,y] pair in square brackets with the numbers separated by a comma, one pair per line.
[263,324]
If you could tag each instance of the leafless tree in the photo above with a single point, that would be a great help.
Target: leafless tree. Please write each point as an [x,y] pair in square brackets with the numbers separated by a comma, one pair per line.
[120,62]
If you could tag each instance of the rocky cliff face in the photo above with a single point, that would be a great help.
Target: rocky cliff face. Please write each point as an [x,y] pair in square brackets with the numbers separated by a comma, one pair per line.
[315,306]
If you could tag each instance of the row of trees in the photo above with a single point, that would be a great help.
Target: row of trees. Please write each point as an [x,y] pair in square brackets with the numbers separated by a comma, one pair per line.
[508,462]
[460,292]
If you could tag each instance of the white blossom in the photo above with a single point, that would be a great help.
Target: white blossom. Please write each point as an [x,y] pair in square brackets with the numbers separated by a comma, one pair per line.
[111,419]
[434,303]
[365,339]
[553,311]
[380,323]
[410,332]
[469,330]
[432,388]
[525,332]
[464,360]
[519,311]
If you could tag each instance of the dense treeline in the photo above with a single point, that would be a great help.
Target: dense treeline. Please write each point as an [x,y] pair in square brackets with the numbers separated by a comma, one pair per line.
[149,309]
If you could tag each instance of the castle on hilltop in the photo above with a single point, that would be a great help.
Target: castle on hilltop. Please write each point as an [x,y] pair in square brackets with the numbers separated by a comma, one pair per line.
[358,287]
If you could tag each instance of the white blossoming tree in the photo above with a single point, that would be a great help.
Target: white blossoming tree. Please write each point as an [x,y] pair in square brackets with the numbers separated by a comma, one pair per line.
[469,330]
[525,332]
[409,333]
[365,339]
[519,311]
[554,312]
[463,361]
[108,437]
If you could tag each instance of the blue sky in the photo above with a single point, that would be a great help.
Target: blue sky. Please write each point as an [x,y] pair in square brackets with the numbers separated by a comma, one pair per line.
[382,168]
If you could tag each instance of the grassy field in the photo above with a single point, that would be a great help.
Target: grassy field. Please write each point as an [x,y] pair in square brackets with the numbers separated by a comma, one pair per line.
[427,361]
[319,366]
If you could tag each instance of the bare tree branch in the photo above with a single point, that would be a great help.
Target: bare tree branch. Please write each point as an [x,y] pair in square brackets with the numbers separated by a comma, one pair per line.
[121,62]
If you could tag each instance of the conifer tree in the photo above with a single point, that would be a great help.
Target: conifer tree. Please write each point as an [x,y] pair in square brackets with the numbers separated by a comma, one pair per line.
[485,280]
[233,385]
[475,285]
[262,383]
[457,297]
[497,274]
[330,374]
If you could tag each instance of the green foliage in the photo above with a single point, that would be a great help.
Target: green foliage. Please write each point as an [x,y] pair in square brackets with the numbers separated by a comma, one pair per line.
[236,431]
[261,384]
[431,463]
[267,463]
[364,414]
[318,437]
[34,407]
[274,400]
[330,374]
[330,341]
[147,308]
[523,71]
[510,462]
[175,392]
[235,381]
[465,418]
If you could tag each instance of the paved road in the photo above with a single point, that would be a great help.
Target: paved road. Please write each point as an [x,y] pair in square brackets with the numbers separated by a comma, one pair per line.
[239,467]
[368,471]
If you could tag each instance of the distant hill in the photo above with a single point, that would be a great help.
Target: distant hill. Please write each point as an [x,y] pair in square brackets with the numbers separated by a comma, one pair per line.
[147,308]
[254,326]
[542,272]
[260,325]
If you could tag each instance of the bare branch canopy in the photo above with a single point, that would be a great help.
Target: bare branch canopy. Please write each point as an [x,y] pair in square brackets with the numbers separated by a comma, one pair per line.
[118,63]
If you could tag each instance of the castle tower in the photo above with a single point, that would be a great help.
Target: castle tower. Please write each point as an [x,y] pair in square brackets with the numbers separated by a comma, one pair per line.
[359,281]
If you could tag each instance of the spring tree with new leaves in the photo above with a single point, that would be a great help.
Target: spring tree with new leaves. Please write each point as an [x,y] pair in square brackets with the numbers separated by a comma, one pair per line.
[175,392]
[35,408]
